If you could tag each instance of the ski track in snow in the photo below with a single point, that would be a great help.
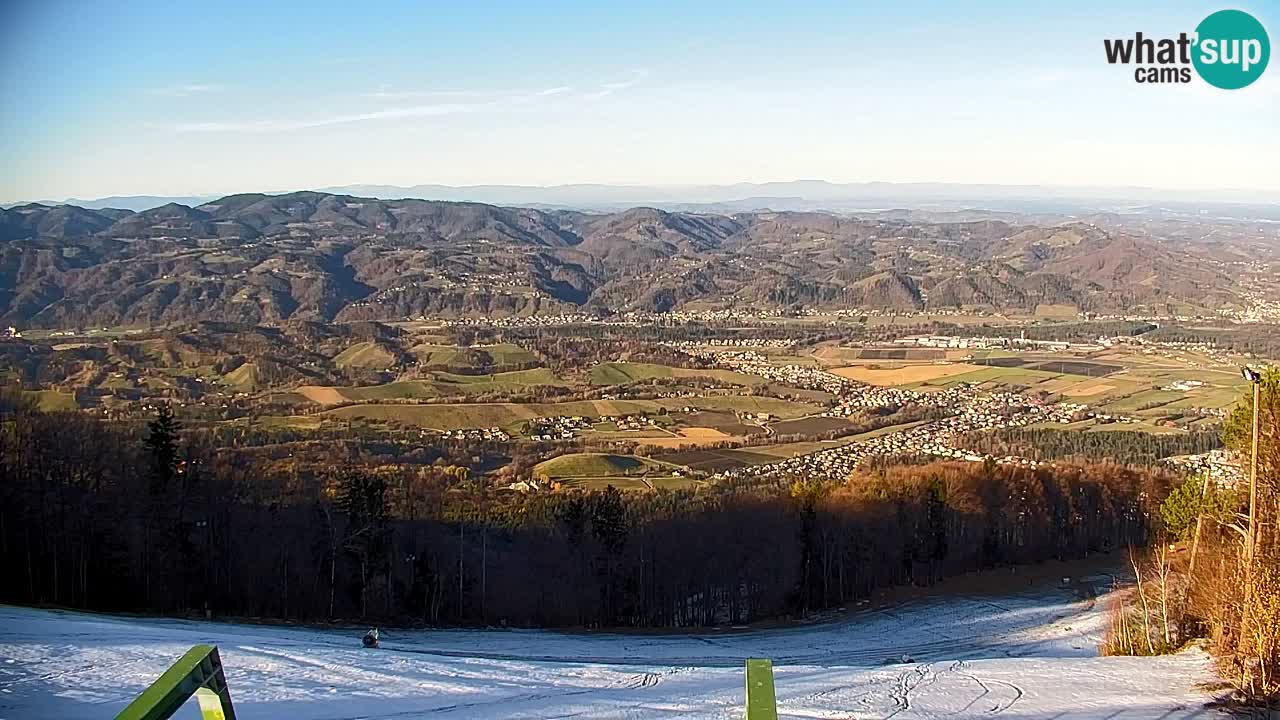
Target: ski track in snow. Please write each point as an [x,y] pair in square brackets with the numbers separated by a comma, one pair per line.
[1031,655]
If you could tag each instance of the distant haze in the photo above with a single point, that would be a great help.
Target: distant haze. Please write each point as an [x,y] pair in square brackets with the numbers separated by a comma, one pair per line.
[814,195]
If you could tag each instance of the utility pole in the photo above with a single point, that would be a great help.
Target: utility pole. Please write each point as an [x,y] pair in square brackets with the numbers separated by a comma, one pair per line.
[1195,543]
[1254,379]
[1253,474]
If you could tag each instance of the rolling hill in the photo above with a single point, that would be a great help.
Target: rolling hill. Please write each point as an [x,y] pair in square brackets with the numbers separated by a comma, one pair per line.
[310,256]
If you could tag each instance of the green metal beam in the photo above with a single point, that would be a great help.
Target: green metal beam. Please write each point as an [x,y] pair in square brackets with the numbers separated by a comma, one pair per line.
[198,673]
[761,703]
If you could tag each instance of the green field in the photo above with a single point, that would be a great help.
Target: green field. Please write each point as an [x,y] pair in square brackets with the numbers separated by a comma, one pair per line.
[455,357]
[461,416]
[53,400]
[364,355]
[624,373]
[243,378]
[593,465]
[513,381]
[599,470]
[403,390]
[444,384]
[441,355]
[508,354]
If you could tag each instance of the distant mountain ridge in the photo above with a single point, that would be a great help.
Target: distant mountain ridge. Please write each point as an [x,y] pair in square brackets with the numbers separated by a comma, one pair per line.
[261,258]
[799,195]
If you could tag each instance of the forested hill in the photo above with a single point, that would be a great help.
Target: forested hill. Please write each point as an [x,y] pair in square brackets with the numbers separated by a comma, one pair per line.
[93,515]
[313,256]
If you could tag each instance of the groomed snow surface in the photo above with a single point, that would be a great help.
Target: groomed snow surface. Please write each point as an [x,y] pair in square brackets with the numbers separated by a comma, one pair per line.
[1027,654]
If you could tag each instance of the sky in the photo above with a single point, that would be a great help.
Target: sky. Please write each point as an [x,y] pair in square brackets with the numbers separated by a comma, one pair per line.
[184,98]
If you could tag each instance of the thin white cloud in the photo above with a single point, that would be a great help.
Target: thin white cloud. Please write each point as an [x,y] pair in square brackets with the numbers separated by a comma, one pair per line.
[185,90]
[285,125]
[386,93]
[610,88]
[485,100]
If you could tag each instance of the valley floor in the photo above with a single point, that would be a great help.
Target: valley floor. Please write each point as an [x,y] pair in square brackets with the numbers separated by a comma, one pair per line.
[1021,654]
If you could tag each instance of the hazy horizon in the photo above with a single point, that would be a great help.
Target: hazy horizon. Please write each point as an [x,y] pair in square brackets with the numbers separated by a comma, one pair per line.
[814,194]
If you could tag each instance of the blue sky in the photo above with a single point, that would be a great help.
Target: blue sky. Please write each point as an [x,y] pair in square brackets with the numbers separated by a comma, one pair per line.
[103,98]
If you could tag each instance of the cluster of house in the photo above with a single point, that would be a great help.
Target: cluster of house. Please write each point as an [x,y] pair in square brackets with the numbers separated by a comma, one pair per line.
[886,312]
[1205,412]
[968,409]
[952,341]
[1260,309]
[936,438]
[547,429]
[700,316]
[689,345]
[629,319]
[491,433]
[630,422]
[753,363]
[1222,466]
[530,321]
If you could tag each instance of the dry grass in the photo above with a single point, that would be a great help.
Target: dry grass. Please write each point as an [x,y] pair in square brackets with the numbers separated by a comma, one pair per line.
[703,433]
[322,395]
[905,375]
[1088,389]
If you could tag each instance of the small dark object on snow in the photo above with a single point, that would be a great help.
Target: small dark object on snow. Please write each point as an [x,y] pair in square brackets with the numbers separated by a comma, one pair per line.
[371,638]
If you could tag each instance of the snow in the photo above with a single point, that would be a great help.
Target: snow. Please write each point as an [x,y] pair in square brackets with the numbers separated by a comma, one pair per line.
[1026,655]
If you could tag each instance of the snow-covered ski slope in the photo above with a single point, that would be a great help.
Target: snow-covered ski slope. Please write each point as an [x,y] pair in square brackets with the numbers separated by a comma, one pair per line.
[1029,655]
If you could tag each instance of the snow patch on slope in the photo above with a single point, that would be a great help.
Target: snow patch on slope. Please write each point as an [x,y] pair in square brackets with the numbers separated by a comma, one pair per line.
[1031,655]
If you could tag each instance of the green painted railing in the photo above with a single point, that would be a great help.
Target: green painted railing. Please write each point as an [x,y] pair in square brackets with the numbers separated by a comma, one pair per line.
[198,673]
[761,704]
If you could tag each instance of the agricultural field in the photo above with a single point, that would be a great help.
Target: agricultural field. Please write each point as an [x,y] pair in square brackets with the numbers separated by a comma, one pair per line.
[245,378]
[599,470]
[718,460]
[367,355]
[508,354]
[1155,385]
[455,357]
[810,426]
[512,381]
[904,374]
[625,373]
[461,416]
[839,355]
[52,400]
[441,384]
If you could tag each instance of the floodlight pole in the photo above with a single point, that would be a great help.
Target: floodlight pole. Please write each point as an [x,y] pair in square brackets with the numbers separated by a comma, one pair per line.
[1195,544]
[1253,474]
[1256,380]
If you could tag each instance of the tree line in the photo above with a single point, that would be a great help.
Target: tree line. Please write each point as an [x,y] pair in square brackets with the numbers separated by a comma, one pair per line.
[1129,446]
[164,520]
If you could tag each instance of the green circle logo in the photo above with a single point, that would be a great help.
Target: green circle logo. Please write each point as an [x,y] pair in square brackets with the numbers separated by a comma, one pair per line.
[1232,49]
